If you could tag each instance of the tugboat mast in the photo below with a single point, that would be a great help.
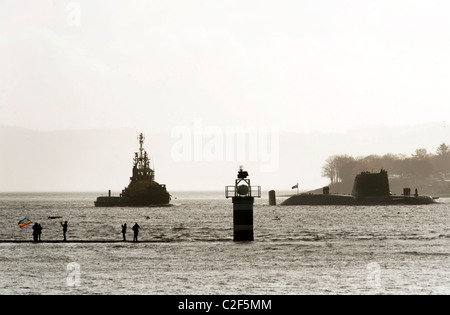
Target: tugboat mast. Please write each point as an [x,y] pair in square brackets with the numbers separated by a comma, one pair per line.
[141,167]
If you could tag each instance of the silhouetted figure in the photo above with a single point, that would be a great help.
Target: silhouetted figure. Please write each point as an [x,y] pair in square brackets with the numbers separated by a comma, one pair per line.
[136,232]
[39,232]
[124,230]
[64,229]
[35,232]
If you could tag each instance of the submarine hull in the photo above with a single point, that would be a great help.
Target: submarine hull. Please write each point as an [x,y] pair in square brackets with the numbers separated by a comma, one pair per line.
[350,200]
[368,189]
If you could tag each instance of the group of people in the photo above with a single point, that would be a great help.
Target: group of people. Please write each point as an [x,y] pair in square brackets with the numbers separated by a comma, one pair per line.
[37,231]
[135,229]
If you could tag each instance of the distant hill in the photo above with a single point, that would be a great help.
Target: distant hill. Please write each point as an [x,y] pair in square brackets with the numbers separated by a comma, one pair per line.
[64,160]
[101,159]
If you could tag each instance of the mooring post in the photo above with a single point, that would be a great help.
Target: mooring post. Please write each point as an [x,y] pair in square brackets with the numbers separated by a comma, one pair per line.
[243,196]
[272,198]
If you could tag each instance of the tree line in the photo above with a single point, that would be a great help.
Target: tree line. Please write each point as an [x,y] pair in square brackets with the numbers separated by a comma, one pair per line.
[420,165]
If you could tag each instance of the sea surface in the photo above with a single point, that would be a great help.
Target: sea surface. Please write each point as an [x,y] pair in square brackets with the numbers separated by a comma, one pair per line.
[188,248]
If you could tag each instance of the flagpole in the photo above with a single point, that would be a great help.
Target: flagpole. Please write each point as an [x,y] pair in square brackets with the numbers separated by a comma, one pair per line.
[295,186]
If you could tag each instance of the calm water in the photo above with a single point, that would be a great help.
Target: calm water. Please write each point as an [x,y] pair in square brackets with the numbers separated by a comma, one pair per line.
[297,250]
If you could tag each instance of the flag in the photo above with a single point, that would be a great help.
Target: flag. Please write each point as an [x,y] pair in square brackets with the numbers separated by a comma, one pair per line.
[24,222]
[295,186]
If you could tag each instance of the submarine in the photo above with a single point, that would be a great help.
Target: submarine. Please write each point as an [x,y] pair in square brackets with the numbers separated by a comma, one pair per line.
[368,189]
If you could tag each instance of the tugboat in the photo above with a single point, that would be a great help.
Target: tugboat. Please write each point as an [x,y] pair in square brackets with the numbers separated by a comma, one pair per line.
[368,189]
[142,190]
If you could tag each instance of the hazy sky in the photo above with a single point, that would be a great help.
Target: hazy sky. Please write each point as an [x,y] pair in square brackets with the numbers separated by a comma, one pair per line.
[168,66]
[297,65]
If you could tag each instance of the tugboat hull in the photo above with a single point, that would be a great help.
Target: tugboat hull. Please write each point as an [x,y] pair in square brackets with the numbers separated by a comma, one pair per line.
[136,201]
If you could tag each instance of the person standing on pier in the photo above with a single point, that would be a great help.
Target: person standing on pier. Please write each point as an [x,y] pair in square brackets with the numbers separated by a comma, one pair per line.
[64,229]
[136,232]
[35,232]
[39,231]
[124,231]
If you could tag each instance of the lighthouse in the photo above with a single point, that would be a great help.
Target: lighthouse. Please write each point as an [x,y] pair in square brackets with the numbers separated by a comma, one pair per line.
[243,195]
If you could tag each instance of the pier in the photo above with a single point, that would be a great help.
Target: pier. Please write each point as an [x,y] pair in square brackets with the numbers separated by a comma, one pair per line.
[77,241]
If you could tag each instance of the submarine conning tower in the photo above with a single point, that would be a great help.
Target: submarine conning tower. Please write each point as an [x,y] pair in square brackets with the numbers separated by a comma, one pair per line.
[369,184]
